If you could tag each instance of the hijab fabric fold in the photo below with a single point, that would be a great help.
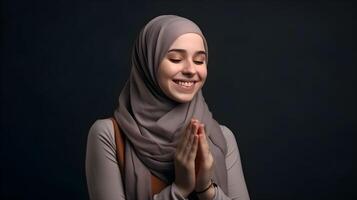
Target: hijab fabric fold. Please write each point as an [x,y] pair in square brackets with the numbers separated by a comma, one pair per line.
[153,123]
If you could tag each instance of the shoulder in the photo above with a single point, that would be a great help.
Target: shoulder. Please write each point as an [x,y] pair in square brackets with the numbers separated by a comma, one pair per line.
[227,133]
[102,129]
[230,139]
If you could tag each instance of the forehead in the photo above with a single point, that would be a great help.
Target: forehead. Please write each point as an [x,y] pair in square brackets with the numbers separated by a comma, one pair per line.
[189,41]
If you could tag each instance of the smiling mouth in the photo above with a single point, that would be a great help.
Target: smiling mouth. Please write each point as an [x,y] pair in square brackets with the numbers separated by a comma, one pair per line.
[186,84]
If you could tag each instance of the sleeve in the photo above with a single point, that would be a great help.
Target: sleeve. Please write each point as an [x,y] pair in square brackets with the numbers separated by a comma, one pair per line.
[169,193]
[237,189]
[103,176]
[104,180]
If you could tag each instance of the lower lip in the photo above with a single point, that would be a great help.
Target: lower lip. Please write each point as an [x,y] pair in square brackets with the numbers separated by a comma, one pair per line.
[185,89]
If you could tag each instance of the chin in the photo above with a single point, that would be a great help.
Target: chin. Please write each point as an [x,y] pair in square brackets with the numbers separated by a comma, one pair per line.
[184,100]
[180,98]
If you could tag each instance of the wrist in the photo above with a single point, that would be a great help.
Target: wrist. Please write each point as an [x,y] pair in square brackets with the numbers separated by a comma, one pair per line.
[203,188]
[181,190]
[208,194]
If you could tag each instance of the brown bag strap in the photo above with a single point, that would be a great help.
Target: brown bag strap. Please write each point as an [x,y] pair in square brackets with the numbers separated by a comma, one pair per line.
[156,184]
[119,142]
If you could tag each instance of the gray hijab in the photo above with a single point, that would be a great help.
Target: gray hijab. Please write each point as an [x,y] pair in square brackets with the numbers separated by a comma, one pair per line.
[153,123]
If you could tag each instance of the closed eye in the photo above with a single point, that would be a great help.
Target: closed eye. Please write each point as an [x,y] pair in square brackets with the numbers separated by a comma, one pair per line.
[175,60]
[198,62]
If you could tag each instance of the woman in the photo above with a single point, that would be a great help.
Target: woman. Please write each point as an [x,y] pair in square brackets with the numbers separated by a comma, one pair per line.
[169,131]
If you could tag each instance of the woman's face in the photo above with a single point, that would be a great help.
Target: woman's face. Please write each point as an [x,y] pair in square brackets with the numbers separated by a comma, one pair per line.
[183,70]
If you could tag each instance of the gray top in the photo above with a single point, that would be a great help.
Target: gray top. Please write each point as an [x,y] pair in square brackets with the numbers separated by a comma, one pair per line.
[104,180]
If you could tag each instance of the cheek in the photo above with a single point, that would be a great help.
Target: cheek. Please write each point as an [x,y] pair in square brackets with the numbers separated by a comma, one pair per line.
[202,73]
[164,84]
[166,69]
[164,75]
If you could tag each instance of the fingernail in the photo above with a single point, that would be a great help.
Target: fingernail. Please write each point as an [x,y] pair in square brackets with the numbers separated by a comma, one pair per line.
[196,125]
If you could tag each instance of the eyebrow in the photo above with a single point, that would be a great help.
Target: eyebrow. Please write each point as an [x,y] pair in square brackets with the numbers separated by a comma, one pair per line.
[184,51]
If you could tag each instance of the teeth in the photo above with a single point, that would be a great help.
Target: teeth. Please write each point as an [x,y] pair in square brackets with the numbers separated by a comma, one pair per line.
[183,83]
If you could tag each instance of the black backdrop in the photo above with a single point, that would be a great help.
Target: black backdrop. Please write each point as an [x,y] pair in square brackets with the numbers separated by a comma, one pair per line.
[282,77]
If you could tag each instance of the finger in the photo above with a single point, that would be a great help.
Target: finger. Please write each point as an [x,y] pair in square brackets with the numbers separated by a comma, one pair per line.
[199,150]
[188,144]
[187,133]
[196,126]
[201,129]
[195,121]
[204,142]
[191,140]
[185,136]
[193,152]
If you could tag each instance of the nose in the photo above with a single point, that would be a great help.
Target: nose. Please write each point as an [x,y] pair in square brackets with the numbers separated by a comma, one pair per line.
[189,68]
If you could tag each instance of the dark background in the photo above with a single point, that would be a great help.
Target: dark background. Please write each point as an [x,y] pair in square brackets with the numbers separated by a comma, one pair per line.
[282,77]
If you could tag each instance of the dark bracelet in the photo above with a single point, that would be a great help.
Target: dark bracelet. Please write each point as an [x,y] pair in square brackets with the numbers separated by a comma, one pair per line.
[210,185]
